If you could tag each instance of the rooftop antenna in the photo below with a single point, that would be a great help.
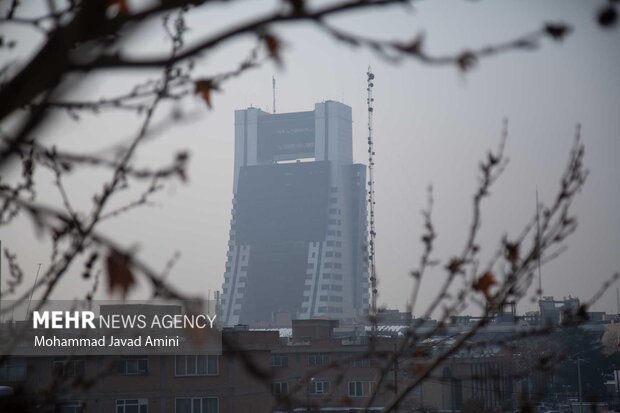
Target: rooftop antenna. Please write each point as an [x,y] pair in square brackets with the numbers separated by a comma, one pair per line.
[371,199]
[36,278]
[540,290]
[273,84]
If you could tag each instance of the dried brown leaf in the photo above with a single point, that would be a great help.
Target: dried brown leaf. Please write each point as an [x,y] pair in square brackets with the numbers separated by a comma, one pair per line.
[484,284]
[120,277]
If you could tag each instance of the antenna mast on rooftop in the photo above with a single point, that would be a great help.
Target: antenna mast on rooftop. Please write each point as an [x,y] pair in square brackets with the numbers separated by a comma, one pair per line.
[371,198]
[540,290]
[273,84]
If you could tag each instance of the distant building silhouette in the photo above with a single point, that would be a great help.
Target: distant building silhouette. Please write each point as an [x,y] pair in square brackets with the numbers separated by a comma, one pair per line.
[298,233]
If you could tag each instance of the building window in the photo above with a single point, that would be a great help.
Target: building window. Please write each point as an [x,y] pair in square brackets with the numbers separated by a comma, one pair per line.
[335,299]
[196,405]
[13,370]
[318,387]
[335,310]
[280,387]
[279,360]
[336,287]
[195,365]
[337,265]
[318,359]
[323,298]
[338,255]
[132,406]
[68,368]
[361,388]
[337,276]
[71,406]
[133,365]
[360,364]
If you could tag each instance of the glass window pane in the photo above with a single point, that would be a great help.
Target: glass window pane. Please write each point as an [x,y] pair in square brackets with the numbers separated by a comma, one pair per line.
[213,360]
[202,365]
[191,364]
[132,366]
[209,405]
[179,362]
[183,406]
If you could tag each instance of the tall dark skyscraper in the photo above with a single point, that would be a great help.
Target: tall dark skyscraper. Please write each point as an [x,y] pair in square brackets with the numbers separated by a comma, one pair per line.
[298,235]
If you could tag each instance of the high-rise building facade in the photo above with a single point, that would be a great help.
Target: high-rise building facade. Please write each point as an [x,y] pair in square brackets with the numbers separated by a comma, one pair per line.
[298,231]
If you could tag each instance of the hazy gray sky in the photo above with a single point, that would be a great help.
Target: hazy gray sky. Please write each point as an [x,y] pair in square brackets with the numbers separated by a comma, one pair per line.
[432,126]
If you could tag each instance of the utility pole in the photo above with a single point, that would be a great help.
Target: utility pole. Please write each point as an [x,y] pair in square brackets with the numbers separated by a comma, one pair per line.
[579,379]
[395,378]
[0,280]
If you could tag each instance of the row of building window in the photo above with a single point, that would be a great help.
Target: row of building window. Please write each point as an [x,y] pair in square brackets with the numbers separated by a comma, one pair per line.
[357,388]
[13,370]
[240,290]
[181,405]
[332,298]
[184,365]
[196,365]
[281,360]
[326,276]
[332,287]
[330,310]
